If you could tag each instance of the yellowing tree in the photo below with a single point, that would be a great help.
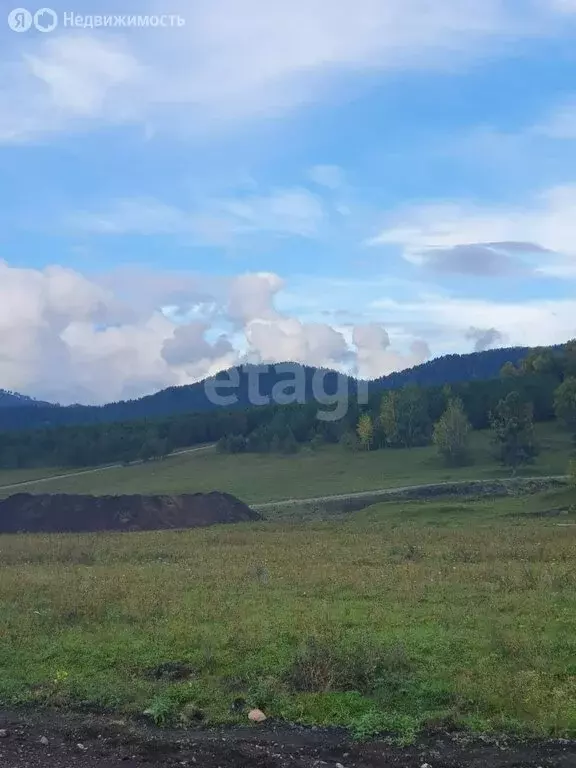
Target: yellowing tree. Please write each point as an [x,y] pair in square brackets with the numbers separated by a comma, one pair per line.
[365,431]
[389,417]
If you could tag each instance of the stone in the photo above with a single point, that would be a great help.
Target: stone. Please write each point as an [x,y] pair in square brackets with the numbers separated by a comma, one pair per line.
[44,740]
[256,716]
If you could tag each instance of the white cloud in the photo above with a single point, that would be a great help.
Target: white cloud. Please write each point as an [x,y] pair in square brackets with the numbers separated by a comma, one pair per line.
[523,323]
[561,122]
[547,222]
[65,81]
[329,176]
[280,212]
[563,6]
[236,61]
[288,339]
[375,357]
[67,338]
[252,297]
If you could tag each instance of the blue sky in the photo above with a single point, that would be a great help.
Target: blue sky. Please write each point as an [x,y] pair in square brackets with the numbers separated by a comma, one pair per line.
[356,184]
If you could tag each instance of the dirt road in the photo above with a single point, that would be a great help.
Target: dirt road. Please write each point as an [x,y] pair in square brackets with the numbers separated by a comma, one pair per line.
[43,740]
[93,470]
[358,499]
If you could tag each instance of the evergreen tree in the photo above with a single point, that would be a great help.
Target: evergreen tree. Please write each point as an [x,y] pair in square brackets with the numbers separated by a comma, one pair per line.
[513,428]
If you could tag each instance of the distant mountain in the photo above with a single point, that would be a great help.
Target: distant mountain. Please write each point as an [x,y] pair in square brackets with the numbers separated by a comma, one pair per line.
[452,369]
[249,389]
[14,400]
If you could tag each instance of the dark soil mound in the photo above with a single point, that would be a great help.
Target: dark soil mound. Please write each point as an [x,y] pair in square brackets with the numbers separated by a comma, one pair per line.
[28,513]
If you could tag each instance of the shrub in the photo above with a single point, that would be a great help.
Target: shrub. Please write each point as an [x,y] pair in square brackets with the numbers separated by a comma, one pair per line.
[323,664]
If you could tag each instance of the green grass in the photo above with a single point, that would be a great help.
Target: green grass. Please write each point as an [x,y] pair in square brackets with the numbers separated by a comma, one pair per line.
[9,476]
[262,478]
[400,616]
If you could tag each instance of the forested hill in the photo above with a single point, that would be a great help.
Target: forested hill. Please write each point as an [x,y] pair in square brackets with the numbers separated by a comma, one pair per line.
[194,398]
[14,400]
[453,369]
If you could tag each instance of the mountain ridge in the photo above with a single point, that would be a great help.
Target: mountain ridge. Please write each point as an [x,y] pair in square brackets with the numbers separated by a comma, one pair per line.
[9,399]
[22,412]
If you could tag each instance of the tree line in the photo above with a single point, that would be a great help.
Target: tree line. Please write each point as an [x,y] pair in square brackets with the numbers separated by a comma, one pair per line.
[541,387]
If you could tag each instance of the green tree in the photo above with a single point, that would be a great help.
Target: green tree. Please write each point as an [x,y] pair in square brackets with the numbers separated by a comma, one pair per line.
[568,358]
[542,360]
[413,422]
[451,434]
[509,371]
[404,417]
[513,428]
[365,431]
[389,418]
[565,402]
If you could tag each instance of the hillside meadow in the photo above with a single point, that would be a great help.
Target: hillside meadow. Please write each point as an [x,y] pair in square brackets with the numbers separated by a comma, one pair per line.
[258,478]
[401,616]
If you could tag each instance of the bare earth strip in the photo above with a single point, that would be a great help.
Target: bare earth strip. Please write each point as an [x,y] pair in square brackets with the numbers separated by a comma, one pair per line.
[39,740]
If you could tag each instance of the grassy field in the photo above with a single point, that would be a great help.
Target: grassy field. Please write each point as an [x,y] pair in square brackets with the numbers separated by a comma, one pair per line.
[261,478]
[399,616]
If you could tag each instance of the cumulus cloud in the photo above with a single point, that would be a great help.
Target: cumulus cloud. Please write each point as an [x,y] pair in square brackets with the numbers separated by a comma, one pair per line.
[67,338]
[375,357]
[189,346]
[484,338]
[252,297]
[288,339]
[273,336]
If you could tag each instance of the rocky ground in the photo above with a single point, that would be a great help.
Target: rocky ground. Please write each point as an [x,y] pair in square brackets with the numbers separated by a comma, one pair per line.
[57,740]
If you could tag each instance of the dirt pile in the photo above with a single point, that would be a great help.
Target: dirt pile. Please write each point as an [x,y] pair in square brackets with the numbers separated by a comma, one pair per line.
[59,513]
